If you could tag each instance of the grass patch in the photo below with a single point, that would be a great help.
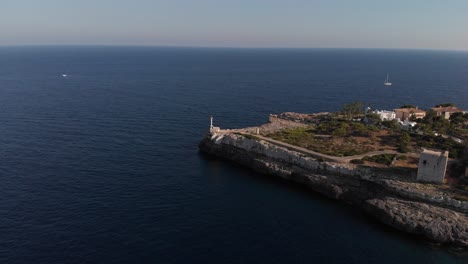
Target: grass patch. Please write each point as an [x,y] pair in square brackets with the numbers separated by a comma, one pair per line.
[324,143]
[385,159]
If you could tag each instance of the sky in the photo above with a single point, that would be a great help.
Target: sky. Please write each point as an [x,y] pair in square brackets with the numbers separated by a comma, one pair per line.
[419,24]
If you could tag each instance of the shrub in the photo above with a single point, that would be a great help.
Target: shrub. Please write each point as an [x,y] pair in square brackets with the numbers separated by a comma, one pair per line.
[357,161]
[405,140]
[385,159]
[250,136]
[392,124]
[461,197]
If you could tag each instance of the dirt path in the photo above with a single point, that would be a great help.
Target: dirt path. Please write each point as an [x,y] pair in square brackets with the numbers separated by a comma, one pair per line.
[345,159]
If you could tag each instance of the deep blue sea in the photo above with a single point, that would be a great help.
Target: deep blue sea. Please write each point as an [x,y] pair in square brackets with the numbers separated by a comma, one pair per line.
[102,166]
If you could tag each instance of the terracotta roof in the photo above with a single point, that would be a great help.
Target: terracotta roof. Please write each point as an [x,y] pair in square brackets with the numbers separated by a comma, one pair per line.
[409,110]
[450,109]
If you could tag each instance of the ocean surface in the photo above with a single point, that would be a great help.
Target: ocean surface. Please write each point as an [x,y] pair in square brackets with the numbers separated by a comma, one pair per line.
[102,166]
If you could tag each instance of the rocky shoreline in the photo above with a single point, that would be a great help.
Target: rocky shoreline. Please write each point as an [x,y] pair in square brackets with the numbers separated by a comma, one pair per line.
[388,198]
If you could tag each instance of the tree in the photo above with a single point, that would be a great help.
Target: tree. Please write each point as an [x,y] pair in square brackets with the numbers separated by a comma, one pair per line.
[373,118]
[341,129]
[405,140]
[392,124]
[360,129]
[408,106]
[424,128]
[412,116]
[430,117]
[352,110]
[445,105]
[458,119]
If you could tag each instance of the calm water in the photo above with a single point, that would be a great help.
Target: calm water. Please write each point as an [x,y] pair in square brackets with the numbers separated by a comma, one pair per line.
[102,166]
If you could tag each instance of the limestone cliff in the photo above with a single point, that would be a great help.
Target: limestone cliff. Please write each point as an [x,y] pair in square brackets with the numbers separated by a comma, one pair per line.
[383,195]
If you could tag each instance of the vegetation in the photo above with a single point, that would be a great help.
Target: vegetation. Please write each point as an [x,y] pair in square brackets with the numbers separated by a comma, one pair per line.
[331,138]
[458,169]
[352,110]
[438,142]
[459,120]
[250,136]
[408,106]
[392,124]
[461,197]
[402,157]
[385,159]
[431,122]
[405,140]
[373,119]
[342,128]
[445,105]
[339,134]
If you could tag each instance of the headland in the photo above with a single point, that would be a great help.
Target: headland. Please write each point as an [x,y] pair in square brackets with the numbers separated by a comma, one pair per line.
[379,170]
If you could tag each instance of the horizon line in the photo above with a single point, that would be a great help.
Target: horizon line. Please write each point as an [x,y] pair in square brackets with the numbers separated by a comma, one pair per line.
[226,47]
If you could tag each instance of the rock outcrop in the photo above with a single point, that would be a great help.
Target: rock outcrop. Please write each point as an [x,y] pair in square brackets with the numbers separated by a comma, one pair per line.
[383,195]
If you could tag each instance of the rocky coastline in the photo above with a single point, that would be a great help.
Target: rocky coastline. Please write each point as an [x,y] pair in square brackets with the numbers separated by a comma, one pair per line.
[395,201]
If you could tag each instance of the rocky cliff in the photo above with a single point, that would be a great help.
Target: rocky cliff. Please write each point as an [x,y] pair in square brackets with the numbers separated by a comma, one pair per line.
[388,198]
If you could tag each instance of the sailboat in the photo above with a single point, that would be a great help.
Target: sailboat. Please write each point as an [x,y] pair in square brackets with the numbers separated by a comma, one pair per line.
[387,83]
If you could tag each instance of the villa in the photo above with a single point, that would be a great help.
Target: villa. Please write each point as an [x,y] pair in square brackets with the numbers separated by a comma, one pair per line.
[447,111]
[407,113]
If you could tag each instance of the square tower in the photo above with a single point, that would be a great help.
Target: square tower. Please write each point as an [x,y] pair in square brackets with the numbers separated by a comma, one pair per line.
[432,166]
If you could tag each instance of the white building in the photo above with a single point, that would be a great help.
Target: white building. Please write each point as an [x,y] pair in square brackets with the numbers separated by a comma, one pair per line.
[385,115]
[407,125]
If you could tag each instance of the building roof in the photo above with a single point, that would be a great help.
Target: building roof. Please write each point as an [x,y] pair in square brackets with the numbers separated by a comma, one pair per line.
[450,109]
[409,110]
[434,152]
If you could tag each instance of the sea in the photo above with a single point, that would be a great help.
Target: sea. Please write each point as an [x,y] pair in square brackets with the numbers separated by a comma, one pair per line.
[99,160]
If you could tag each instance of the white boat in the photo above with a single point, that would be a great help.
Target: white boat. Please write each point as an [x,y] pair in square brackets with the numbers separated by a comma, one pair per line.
[387,83]
[64,75]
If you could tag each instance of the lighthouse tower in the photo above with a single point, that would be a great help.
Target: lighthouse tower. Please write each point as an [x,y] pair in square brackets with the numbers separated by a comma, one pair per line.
[213,129]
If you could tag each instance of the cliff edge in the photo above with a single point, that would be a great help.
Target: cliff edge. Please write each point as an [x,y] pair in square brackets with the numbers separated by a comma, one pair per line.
[387,196]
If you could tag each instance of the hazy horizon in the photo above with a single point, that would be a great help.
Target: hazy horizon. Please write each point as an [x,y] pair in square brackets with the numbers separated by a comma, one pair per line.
[361,24]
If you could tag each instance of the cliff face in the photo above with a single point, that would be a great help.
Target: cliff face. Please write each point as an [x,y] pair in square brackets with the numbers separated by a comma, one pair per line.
[442,220]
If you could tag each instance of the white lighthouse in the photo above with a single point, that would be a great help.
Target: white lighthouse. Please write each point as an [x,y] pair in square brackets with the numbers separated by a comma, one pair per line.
[213,129]
[211,122]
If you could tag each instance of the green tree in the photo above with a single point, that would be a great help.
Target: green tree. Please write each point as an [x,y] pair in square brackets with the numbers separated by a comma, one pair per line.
[341,130]
[405,140]
[430,117]
[424,128]
[445,105]
[352,110]
[408,106]
[374,119]
[392,124]
[457,120]
[360,129]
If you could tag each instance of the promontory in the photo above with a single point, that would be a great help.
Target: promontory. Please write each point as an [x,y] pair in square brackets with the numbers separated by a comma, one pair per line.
[404,171]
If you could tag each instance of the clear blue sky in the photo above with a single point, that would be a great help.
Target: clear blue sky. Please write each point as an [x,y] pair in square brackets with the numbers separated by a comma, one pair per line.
[429,24]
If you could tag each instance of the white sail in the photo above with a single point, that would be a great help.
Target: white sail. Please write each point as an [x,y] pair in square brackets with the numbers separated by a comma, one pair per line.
[387,83]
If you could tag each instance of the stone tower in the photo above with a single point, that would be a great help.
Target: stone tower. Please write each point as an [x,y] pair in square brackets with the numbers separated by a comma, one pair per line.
[432,166]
